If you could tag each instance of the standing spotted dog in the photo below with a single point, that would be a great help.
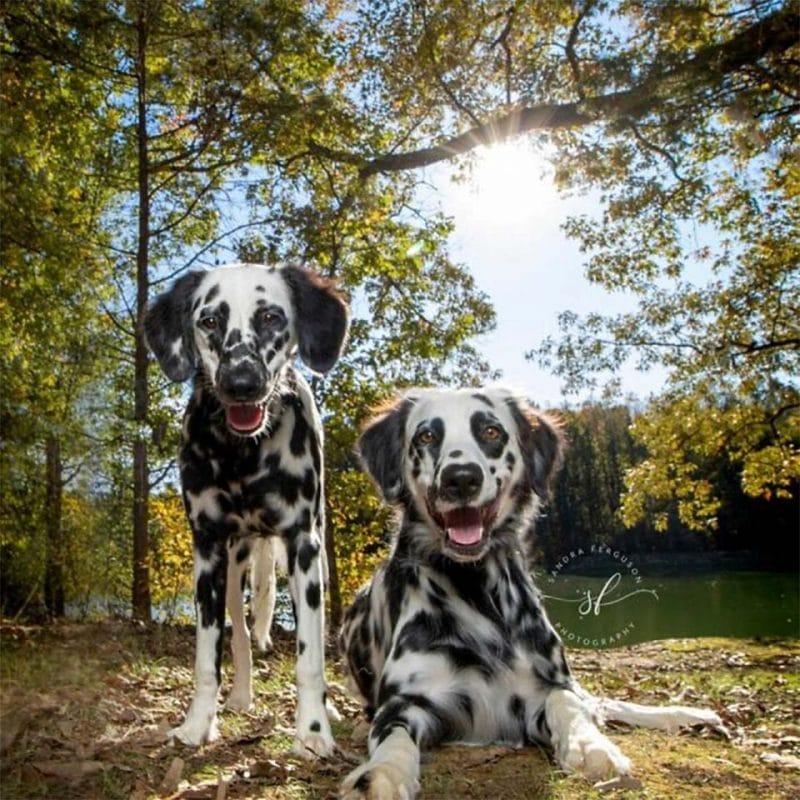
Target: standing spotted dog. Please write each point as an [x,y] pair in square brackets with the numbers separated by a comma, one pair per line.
[450,642]
[251,466]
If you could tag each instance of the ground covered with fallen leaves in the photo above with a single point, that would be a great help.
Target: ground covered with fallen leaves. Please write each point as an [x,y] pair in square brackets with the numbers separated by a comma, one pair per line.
[84,709]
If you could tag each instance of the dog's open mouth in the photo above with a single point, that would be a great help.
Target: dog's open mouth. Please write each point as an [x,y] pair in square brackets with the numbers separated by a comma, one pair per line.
[466,528]
[463,526]
[245,418]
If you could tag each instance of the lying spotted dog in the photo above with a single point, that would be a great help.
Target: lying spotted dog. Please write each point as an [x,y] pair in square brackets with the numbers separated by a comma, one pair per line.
[251,466]
[450,642]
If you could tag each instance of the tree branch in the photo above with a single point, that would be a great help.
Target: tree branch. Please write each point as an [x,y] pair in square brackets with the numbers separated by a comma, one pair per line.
[569,49]
[208,246]
[773,34]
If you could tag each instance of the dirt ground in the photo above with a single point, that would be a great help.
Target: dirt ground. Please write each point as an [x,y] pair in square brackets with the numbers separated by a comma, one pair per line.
[85,707]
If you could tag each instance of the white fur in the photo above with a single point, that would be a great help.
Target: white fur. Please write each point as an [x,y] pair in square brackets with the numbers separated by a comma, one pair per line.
[264,590]
[393,771]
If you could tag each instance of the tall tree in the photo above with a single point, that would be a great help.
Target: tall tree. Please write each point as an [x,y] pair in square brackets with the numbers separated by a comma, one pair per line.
[55,256]
[684,117]
[212,105]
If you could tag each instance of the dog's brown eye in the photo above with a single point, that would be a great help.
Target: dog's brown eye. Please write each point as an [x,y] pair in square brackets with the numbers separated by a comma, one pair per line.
[426,437]
[209,323]
[269,317]
[491,432]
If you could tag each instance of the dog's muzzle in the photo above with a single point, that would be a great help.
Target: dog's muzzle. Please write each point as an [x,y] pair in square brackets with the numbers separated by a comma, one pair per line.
[466,525]
[244,392]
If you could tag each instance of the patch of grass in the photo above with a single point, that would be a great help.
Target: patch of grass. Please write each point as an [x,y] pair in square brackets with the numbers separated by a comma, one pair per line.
[106,693]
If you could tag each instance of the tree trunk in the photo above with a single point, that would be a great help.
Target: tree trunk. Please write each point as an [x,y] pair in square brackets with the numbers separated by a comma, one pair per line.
[54,569]
[141,488]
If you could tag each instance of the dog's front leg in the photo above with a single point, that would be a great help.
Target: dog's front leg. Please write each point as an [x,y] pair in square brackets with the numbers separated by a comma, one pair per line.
[210,567]
[392,772]
[577,741]
[313,736]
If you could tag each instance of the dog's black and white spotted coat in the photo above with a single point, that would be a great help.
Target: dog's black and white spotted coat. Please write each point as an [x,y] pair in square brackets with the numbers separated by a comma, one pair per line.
[251,467]
[450,641]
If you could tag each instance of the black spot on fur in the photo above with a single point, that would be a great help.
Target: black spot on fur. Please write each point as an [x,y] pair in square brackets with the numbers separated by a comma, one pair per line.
[542,728]
[478,422]
[313,594]
[315,726]
[301,647]
[516,707]
[297,444]
[211,293]
[306,554]
[362,784]
[436,426]
[309,486]
[242,553]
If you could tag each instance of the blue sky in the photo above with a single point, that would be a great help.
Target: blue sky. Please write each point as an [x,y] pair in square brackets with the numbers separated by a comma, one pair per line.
[507,231]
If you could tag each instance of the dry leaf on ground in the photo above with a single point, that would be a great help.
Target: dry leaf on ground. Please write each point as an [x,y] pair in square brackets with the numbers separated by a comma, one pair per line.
[69,770]
[781,761]
[620,782]
[173,777]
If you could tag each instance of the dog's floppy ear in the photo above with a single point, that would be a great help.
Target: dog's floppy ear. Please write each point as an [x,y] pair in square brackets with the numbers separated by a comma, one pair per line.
[168,328]
[380,448]
[542,443]
[322,317]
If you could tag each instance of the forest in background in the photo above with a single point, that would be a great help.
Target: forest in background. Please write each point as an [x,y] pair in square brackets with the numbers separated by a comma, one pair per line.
[144,138]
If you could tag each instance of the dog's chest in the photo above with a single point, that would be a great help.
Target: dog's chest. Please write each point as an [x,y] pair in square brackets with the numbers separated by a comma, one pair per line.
[470,644]
[253,487]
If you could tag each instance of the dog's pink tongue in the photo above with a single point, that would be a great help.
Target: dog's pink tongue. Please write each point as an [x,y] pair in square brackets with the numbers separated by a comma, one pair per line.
[244,416]
[464,526]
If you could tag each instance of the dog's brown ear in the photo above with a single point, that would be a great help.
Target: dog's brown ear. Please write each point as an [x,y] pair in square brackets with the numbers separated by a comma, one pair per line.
[322,317]
[168,327]
[542,443]
[381,448]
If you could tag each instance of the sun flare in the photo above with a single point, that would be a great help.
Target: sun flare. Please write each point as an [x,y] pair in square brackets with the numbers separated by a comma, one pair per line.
[508,183]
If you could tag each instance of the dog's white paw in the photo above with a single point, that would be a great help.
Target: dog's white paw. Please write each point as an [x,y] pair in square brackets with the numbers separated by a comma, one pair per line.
[690,717]
[239,701]
[378,781]
[195,731]
[313,744]
[263,642]
[592,754]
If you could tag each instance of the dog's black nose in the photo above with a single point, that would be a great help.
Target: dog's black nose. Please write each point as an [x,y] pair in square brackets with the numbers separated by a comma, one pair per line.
[242,383]
[460,482]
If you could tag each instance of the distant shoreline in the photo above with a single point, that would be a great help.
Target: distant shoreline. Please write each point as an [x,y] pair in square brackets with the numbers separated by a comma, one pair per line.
[683,563]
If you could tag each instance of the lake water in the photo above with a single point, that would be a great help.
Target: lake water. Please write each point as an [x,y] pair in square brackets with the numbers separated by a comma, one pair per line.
[641,609]
[637,609]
